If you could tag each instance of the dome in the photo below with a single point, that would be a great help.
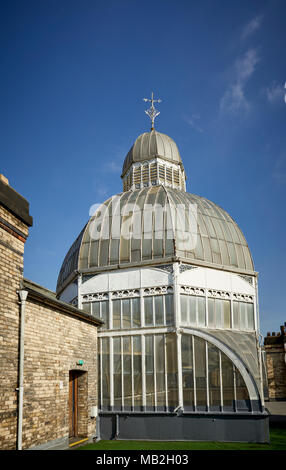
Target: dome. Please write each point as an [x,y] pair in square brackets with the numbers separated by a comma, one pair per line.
[207,236]
[150,145]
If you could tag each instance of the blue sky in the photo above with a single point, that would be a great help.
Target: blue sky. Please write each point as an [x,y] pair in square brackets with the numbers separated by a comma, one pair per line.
[73,75]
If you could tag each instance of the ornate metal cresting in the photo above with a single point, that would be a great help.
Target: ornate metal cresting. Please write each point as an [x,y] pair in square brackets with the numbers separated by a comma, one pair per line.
[152,112]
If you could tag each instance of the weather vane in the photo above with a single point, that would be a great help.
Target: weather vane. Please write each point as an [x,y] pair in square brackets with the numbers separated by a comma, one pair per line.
[152,112]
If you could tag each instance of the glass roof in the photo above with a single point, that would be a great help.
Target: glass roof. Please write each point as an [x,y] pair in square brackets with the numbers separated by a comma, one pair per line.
[173,223]
[150,145]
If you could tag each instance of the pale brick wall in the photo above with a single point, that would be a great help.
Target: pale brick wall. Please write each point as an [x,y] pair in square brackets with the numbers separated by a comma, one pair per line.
[54,342]
[11,274]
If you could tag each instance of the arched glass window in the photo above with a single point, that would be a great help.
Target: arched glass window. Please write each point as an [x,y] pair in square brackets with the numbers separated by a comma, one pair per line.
[145,374]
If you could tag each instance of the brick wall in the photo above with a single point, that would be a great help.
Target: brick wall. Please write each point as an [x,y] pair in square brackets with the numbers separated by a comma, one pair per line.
[54,344]
[275,348]
[11,274]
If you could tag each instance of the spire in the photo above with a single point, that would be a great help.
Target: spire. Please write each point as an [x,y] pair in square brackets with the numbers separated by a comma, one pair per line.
[152,112]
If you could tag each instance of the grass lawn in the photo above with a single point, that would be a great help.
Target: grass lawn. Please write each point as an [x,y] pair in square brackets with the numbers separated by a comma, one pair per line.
[277,442]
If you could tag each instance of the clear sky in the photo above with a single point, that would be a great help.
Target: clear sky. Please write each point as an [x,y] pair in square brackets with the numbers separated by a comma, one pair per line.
[73,75]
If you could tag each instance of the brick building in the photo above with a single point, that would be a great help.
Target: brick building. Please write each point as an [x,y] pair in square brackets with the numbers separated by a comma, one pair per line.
[48,366]
[275,350]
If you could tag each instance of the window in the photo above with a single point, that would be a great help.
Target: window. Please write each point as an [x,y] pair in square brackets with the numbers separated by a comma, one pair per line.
[214,377]
[117,383]
[200,372]
[105,357]
[100,309]
[243,316]
[127,372]
[160,371]
[187,371]
[149,370]
[219,313]
[193,310]
[158,310]
[126,313]
[137,372]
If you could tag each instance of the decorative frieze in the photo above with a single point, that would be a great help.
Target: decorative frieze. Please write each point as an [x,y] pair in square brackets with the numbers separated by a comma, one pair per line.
[218,294]
[243,297]
[158,290]
[94,297]
[126,293]
[192,290]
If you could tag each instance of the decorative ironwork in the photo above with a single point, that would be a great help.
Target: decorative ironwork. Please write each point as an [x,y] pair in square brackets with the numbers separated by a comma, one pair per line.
[186,267]
[248,279]
[152,112]
[166,267]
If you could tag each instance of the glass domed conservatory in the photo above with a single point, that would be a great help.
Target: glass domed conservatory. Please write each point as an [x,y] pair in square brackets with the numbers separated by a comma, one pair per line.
[172,277]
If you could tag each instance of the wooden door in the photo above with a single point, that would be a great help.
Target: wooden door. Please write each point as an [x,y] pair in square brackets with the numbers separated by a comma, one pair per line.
[73,403]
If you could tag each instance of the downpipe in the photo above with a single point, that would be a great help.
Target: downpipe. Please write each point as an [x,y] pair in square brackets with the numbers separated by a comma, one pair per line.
[23,296]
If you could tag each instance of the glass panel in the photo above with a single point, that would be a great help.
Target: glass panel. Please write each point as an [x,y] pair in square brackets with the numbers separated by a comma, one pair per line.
[149,368]
[187,371]
[226,313]
[105,373]
[201,311]
[250,316]
[192,310]
[235,313]
[172,368]
[159,310]
[242,308]
[232,254]
[184,308]
[224,252]
[117,385]
[96,309]
[116,306]
[199,253]
[160,370]
[127,372]
[136,312]
[200,368]
[169,309]
[218,314]
[86,306]
[211,317]
[227,382]
[214,376]
[105,313]
[242,395]
[137,371]
[126,313]
[148,308]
